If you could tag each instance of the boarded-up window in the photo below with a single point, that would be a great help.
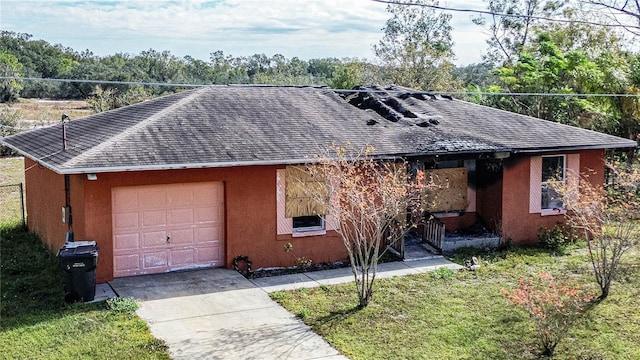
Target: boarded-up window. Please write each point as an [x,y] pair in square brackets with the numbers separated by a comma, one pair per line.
[304,195]
[446,189]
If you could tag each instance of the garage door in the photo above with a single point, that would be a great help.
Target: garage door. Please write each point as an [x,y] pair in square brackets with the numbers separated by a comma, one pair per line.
[162,228]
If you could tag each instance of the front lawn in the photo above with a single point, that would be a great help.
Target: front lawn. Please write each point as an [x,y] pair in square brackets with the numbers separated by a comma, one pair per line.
[35,323]
[463,315]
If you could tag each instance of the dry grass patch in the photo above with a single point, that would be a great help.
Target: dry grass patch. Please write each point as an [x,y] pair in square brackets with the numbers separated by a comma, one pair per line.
[11,170]
[50,110]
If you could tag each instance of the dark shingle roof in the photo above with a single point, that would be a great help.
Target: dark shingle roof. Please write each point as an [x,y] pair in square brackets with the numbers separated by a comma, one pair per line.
[236,125]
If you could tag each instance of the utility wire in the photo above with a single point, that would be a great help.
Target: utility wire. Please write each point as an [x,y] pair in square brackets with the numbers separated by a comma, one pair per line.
[493,13]
[112,82]
[487,93]
[374,91]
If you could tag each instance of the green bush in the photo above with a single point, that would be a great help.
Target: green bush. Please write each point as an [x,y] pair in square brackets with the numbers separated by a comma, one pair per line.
[556,238]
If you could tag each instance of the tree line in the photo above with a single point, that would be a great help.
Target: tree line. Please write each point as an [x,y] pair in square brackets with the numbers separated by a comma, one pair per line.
[23,56]
[535,46]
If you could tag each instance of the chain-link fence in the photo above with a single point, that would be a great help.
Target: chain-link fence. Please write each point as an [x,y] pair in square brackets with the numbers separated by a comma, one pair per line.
[12,205]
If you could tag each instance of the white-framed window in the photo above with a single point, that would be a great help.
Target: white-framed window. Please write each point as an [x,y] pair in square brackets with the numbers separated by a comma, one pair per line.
[553,168]
[542,199]
[307,223]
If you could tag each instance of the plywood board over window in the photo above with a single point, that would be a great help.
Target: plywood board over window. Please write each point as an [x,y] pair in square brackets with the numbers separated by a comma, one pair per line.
[305,195]
[446,189]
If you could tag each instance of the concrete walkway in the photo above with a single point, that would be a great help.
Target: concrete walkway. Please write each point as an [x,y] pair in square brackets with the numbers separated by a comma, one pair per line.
[218,314]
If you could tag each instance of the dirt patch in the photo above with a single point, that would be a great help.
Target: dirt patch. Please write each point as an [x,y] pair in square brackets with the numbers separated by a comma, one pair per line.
[260,273]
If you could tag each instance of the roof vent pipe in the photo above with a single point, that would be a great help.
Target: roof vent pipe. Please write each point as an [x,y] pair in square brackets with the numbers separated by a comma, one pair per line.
[64,131]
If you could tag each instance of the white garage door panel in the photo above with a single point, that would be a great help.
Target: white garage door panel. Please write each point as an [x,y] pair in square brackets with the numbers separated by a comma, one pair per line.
[154,218]
[209,254]
[154,239]
[205,234]
[124,200]
[209,214]
[126,220]
[126,241]
[191,215]
[152,197]
[182,197]
[183,257]
[182,237]
[127,263]
[208,195]
[154,260]
[181,217]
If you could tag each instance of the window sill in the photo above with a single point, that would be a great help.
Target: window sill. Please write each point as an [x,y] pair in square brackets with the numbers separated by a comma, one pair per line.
[448,214]
[554,211]
[309,233]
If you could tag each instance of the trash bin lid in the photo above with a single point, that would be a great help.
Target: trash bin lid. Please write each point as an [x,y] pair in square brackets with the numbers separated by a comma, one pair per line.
[78,249]
[74,244]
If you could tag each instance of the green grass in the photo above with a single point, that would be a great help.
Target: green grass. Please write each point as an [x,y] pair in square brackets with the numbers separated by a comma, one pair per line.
[36,323]
[464,316]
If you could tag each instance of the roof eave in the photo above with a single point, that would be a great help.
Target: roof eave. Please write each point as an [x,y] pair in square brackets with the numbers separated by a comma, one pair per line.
[106,169]
[574,148]
[85,170]
[40,161]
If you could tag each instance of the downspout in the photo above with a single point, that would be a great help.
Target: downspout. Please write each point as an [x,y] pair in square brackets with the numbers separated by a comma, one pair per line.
[67,205]
[66,217]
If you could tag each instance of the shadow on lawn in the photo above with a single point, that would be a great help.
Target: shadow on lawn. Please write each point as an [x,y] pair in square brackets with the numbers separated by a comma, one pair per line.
[31,281]
[335,317]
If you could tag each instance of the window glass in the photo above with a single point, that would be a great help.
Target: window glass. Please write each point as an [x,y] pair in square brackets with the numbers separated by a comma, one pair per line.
[308,223]
[553,167]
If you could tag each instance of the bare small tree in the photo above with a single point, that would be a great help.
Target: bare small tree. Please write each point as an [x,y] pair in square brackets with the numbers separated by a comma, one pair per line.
[621,12]
[369,201]
[609,219]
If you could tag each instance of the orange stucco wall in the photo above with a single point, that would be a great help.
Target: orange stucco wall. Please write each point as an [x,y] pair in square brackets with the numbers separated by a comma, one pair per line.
[250,215]
[250,209]
[45,198]
[518,225]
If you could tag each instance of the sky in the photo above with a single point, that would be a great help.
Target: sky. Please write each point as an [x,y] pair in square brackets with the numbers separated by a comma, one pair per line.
[302,28]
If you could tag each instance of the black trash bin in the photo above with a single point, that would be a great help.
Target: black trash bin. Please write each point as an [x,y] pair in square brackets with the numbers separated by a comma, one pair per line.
[79,259]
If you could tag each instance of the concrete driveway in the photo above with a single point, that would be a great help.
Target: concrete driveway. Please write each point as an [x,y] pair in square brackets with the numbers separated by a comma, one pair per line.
[218,314]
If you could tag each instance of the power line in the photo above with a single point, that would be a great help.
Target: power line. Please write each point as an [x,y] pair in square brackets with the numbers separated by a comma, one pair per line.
[111,82]
[388,91]
[493,13]
[453,93]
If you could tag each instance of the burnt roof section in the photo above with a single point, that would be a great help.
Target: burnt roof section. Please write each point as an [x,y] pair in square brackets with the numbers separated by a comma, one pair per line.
[242,125]
[460,126]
